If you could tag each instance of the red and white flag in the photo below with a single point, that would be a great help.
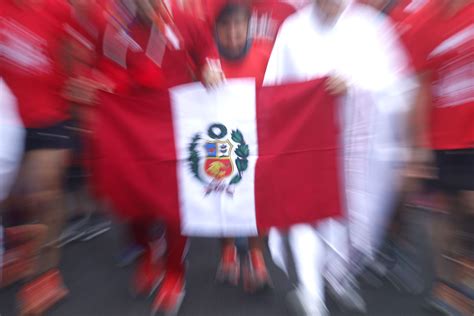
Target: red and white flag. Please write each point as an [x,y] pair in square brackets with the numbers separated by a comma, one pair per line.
[230,162]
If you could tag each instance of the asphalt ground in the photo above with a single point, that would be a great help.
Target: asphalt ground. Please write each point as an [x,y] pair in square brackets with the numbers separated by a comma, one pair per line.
[98,287]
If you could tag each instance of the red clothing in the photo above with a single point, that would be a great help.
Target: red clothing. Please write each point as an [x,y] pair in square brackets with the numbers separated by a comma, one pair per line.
[445,48]
[407,15]
[197,47]
[404,9]
[84,32]
[252,66]
[31,39]
[144,58]
[267,17]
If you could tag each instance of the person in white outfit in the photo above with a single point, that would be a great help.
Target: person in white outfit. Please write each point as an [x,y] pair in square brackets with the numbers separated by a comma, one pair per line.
[355,47]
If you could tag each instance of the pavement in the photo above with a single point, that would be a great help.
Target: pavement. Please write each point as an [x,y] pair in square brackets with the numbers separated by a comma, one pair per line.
[98,287]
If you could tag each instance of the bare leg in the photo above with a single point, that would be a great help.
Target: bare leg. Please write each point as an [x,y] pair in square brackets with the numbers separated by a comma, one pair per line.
[41,180]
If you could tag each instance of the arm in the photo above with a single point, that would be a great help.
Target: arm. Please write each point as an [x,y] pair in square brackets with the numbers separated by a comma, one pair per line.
[202,50]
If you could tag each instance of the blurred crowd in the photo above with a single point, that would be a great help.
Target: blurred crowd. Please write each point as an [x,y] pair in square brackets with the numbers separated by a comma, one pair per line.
[413,60]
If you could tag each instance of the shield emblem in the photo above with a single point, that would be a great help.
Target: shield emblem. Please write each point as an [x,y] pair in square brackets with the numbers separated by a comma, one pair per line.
[218,164]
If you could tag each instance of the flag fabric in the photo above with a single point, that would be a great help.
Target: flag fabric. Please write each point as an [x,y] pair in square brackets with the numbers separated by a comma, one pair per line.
[228,162]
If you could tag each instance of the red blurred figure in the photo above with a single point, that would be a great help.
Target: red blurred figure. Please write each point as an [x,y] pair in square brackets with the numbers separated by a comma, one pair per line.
[443,54]
[146,47]
[33,65]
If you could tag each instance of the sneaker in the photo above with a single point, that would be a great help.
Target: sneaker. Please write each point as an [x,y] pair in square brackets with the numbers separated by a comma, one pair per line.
[148,275]
[171,294]
[39,295]
[229,266]
[255,273]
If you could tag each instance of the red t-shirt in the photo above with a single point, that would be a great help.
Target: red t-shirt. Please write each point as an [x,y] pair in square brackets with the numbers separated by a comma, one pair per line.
[407,15]
[445,48]
[144,59]
[31,38]
[253,65]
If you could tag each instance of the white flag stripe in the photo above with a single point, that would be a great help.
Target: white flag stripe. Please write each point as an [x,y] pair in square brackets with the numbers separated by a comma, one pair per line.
[195,109]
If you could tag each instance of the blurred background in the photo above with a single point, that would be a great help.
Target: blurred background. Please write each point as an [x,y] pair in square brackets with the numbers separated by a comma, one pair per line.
[65,251]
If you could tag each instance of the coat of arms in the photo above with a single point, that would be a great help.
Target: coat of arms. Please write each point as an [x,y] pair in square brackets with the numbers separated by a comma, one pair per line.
[225,158]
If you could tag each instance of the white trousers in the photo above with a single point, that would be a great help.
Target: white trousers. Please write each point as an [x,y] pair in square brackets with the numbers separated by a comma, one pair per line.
[371,178]
[318,251]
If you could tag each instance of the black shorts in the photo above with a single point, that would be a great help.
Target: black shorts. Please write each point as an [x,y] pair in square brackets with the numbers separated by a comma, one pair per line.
[57,136]
[456,169]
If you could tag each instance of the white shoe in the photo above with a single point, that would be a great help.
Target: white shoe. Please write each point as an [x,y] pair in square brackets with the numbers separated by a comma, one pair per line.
[302,304]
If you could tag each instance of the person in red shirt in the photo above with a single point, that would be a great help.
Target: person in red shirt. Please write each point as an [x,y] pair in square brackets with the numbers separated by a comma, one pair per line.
[32,63]
[443,57]
[241,57]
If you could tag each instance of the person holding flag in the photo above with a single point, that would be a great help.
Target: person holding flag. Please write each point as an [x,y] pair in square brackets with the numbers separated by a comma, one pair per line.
[146,48]
[241,57]
[367,70]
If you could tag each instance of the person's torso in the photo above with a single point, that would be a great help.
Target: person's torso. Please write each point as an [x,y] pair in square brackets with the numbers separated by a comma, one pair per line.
[450,59]
[31,41]
[354,48]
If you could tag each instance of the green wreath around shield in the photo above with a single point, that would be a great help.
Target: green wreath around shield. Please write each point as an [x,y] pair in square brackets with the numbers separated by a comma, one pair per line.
[242,152]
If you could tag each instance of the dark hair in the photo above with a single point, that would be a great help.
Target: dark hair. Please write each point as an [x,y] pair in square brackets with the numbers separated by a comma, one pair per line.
[231,9]
[226,12]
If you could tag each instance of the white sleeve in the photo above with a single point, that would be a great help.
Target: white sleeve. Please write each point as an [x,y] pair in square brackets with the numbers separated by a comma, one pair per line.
[391,78]
[11,144]
[396,98]
[278,64]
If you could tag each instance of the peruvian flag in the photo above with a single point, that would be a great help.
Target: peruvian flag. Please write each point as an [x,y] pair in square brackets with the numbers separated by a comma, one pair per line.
[233,161]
